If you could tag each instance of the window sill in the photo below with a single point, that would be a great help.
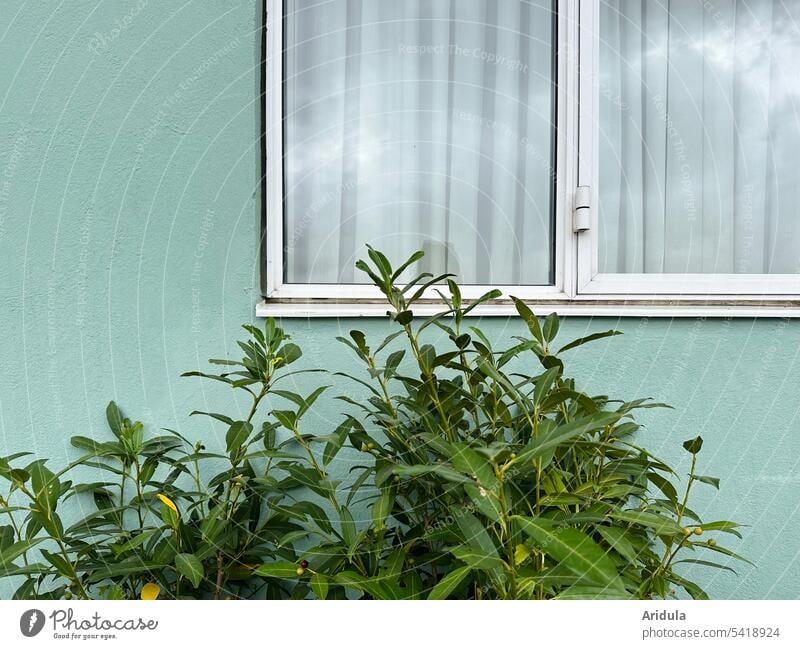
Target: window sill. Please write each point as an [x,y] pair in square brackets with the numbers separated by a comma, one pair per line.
[614,308]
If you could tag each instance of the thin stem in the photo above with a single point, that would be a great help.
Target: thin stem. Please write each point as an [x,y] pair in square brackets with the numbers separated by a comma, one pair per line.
[75,580]
[390,430]
[18,533]
[61,546]
[505,531]
[139,492]
[688,488]
[230,499]
[220,576]
[429,380]
[122,481]
[669,554]
[465,371]
[178,545]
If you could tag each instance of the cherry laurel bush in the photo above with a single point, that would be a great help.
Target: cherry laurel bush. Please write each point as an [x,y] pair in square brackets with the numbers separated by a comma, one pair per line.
[474,473]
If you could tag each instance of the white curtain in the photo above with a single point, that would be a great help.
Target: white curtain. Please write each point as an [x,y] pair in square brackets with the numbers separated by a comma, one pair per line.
[419,124]
[699,136]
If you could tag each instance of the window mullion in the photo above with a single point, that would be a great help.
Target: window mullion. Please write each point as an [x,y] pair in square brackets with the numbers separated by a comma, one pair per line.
[588,127]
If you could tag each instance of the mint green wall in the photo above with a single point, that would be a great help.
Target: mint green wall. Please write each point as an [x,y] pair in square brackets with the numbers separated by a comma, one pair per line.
[129,193]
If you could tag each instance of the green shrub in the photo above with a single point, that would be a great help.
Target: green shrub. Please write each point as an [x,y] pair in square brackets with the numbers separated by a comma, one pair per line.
[485,474]
[159,525]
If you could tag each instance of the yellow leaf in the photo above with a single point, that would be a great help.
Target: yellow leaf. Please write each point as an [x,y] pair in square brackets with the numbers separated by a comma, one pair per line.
[150,590]
[521,552]
[168,502]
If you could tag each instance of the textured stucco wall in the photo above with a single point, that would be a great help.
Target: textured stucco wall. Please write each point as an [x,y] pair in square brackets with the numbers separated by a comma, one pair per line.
[128,253]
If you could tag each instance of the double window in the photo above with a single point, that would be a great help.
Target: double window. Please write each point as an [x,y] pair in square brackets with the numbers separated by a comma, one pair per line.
[601,156]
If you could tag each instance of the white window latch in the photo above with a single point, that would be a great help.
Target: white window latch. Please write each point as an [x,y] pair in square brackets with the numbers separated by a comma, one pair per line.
[581,215]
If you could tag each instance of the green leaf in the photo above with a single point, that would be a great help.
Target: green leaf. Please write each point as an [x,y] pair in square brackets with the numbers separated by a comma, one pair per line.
[237,435]
[381,262]
[364,268]
[7,536]
[213,377]
[268,431]
[474,533]
[51,522]
[132,544]
[477,538]
[494,294]
[721,550]
[225,361]
[170,517]
[722,526]
[289,353]
[530,319]
[46,487]
[618,539]
[424,287]
[310,399]
[98,448]
[116,420]
[319,585]
[709,564]
[377,588]
[337,439]
[63,566]
[487,562]
[550,329]
[360,340]
[12,570]
[589,338]
[392,362]
[449,583]
[286,418]
[693,445]
[20,476]
[574,550]
[382,507]
[16,550]
[707,479]
[437,469]
[214,415]
[190,567]
[136,436]
[469,462]
[412,259]
[658,523]
[543,385]
[280,569]
[665,486]
[349,533]
[486,502]
[315,513]
[455,293]
[693,589]
[161,445]
[404,317]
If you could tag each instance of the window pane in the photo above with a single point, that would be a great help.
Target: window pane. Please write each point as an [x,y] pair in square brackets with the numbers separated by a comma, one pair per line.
[699,136]
[419,124]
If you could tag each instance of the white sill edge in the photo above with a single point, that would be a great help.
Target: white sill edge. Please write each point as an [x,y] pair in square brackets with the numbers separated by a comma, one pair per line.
[266,308]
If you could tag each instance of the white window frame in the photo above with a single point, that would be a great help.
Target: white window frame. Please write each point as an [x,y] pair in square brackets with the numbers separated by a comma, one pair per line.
[578,288]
